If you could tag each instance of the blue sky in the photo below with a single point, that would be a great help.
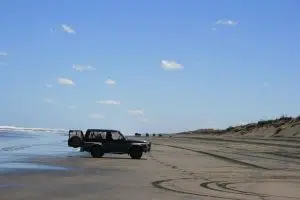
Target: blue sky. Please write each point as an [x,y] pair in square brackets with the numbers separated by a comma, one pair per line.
[148,66]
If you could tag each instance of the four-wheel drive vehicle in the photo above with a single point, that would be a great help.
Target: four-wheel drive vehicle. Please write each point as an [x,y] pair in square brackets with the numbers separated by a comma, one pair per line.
[101,141]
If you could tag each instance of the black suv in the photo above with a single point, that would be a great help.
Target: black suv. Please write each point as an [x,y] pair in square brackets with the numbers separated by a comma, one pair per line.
[101,141]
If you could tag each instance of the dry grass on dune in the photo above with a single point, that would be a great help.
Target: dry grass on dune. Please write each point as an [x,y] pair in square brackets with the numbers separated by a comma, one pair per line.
[280,127]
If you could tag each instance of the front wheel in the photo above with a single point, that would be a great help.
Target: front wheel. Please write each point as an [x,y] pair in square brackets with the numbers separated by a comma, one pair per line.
[136,153]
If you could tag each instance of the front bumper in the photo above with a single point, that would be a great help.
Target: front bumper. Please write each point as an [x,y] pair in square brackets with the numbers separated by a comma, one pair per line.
[147,147]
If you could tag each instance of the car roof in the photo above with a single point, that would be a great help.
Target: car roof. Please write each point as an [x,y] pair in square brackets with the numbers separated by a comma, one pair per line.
[104,130]
[75,130]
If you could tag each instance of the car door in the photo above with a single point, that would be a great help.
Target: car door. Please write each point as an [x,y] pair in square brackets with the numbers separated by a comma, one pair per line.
[106,144]
[117,144]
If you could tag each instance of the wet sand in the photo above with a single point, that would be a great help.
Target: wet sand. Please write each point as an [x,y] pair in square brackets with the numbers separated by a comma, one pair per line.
[176,168]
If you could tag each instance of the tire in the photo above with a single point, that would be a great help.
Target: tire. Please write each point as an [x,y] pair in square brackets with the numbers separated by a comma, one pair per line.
[97,151]
[74,142]
[136,153]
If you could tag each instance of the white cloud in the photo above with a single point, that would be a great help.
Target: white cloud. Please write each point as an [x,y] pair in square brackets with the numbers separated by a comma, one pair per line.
[68,29]
[214,29]
[48,85]
[96,116]
[48,101]
[81,68]
[136,112]
[72,107]
[227,22]
[65,81]
[110,82]
[266,84]
[112,102]
[3,54]
[170,65]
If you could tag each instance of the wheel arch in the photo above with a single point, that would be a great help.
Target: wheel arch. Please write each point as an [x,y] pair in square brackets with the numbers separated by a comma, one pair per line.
[135,145]
[96,150]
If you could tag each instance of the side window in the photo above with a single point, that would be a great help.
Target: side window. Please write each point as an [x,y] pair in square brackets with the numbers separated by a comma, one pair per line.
[96,135]
[103,135]
[116,136]
[91,135]
[100,135]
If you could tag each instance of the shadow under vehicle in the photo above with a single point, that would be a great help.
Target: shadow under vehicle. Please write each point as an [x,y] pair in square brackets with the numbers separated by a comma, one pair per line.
[100,141]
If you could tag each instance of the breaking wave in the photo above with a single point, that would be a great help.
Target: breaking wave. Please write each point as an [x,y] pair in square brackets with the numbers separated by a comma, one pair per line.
[25,129]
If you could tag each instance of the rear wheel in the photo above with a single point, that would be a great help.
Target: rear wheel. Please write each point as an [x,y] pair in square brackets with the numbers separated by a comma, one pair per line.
[97,151]
[136,153]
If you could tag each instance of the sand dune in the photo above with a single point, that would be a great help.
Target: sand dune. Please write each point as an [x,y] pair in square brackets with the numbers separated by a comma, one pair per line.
[280,127]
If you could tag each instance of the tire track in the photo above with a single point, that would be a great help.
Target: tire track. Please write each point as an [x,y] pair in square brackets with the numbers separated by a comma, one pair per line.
[286,139]
[260,156]
[220,186]
[243,141]
[279,139]
[174,167]
[264,157]
[219,157]
[223,187]
[284,155]
[159,185]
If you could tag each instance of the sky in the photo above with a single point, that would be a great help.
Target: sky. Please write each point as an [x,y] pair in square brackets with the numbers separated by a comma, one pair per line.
[148,66]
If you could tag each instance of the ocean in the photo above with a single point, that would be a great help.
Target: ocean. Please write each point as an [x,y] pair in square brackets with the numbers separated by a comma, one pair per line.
[18,149]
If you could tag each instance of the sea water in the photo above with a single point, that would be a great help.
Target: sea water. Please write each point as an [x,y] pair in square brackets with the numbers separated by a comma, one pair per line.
[18,148]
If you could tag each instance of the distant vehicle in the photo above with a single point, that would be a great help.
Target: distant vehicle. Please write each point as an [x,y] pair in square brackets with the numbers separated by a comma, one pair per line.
[100,141]
[137,134]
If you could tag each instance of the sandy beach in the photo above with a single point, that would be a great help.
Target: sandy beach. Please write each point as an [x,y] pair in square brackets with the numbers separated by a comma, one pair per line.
[176,168]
